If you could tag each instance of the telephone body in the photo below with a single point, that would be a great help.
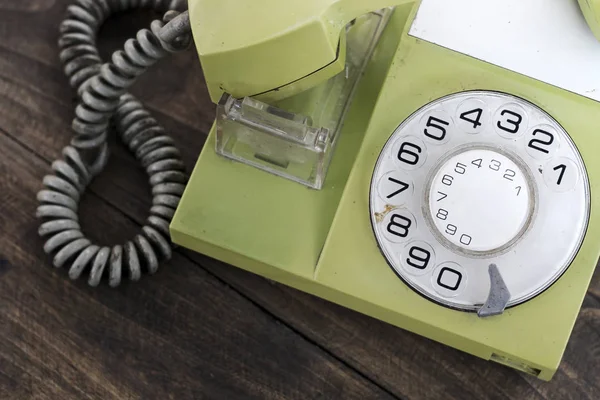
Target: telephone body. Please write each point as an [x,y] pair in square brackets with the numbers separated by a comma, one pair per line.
[458,203]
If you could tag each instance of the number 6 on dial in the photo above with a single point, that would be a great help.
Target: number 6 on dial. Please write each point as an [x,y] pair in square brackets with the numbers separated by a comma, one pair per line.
[409,153]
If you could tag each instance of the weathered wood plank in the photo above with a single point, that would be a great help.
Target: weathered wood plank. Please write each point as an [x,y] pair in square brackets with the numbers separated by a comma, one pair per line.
[181,334]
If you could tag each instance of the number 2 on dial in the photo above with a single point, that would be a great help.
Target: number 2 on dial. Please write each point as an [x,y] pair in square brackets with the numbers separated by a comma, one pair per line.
[542,141]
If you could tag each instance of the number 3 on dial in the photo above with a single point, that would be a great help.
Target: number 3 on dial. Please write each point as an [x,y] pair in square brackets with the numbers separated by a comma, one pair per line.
[510,121]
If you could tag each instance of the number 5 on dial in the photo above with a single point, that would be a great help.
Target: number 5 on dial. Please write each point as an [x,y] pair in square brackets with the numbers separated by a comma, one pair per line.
[437,127]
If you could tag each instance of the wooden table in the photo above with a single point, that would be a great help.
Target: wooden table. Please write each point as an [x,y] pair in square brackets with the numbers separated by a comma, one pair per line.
[198,328]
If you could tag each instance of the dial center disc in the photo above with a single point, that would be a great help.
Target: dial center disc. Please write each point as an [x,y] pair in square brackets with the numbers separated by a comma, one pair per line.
[480,200]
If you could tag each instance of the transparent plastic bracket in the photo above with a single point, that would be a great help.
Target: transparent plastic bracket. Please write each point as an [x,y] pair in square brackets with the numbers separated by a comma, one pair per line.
[296,138]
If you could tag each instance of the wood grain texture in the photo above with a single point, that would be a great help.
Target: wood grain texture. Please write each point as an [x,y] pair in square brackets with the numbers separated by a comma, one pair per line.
[199,328]
[182,334]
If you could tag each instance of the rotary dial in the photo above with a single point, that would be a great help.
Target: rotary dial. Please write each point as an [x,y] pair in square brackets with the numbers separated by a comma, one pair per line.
[475,180]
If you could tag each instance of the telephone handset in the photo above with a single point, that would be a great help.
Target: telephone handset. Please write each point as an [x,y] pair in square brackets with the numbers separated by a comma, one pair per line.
[292,47]
[358,157]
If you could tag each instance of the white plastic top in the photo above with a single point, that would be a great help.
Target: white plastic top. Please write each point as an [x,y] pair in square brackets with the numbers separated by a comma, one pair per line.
[547,40]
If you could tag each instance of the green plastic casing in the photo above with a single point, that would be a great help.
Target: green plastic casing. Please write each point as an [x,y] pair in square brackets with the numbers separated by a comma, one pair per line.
[273,49]
[321,242]
[591,12]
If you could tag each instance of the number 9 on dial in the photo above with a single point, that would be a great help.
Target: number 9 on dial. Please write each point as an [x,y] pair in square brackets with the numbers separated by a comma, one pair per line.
[417,258]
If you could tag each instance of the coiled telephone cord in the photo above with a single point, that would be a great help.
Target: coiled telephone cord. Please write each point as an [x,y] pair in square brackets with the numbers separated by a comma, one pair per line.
[104,103]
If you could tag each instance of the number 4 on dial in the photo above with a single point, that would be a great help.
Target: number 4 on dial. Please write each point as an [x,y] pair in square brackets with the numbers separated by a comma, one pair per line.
[473,117]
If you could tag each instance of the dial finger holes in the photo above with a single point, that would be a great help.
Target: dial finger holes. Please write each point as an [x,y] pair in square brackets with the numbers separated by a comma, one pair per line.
[561,174]
[449,279]
[476,177]
[395,188]
[542,142]
[511,121]
[397,225]
[409,153]
[437,127]
[417,258]
[472,116]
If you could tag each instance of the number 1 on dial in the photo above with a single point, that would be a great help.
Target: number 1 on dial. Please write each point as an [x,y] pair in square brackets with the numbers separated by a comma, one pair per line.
[561,175]
[562,168]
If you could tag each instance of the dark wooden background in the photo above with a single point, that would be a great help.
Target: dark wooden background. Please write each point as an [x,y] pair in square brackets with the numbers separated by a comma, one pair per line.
[198,329]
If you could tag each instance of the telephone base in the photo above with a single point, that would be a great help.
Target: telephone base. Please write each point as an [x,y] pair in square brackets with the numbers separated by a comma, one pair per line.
[322,242]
